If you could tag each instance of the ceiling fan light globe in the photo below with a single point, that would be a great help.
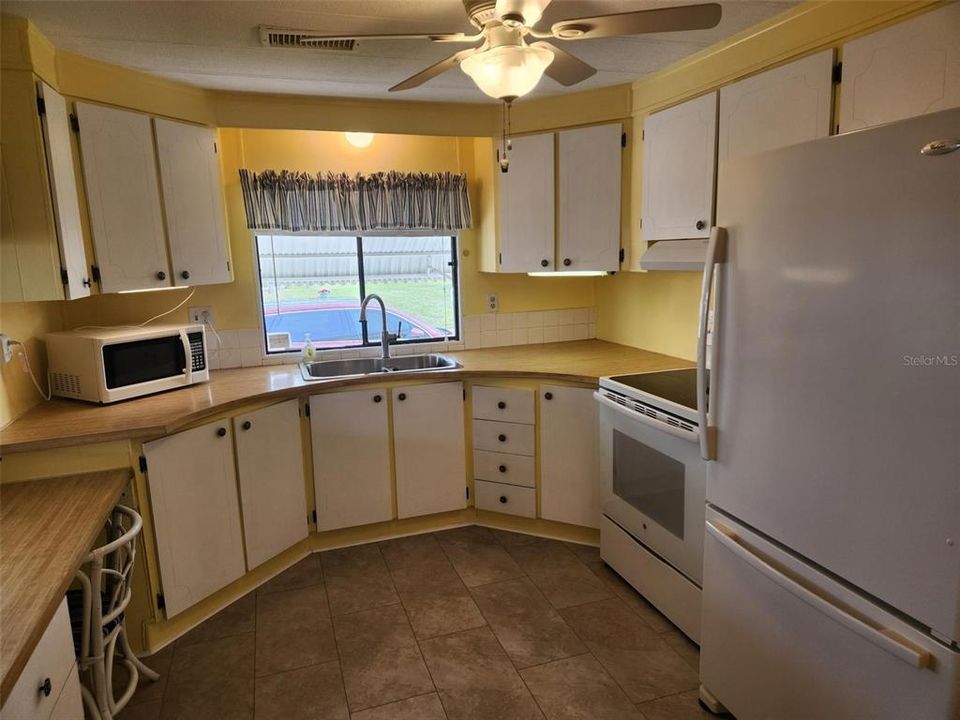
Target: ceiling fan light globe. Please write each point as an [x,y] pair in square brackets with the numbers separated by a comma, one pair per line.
[507,71]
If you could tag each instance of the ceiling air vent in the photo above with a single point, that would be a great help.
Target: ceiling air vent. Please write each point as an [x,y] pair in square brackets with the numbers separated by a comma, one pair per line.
[287,38]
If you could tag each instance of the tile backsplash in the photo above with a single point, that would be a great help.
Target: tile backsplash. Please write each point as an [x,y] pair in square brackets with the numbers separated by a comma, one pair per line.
[244,347]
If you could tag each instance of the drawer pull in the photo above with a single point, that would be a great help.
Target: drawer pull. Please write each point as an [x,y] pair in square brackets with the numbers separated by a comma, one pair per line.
[548,396]
[502,438]
[45,687]
[377,398]
[502,405]
[401,397]
[247,425]
[503,499]
[503,468]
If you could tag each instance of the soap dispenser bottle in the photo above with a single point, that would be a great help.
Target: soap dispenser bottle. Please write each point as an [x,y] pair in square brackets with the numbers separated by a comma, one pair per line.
[309,351]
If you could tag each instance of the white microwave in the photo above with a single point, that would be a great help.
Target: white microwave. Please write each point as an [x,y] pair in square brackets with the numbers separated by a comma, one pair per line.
[111,364]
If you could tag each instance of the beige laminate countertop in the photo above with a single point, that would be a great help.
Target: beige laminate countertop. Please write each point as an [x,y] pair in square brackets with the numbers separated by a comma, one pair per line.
[62,423]
[46,529]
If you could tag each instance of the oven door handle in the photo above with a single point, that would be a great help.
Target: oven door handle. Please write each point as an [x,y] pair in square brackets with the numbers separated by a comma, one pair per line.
[689,435]
[716,253]
[187,358]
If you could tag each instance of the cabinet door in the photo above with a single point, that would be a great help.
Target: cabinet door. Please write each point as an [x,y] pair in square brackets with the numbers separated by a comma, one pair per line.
[428,439]
[569,481]
[784,106]
[64,192]
[351,458]
[119,169]
[196,513]
[679,151]
[525,198]
[270,470]
[909,69]
[589,161]
[193,203]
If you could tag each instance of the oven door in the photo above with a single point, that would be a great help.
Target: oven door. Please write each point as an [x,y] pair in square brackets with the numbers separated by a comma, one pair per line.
[652,484]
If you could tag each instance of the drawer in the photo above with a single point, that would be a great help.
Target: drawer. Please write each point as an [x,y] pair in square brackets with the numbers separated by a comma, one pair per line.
[509,499]
[503,468]
[53,658]
[505,404]
[504,437]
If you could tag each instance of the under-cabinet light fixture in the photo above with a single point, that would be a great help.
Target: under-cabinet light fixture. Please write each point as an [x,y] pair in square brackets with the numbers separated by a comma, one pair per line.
[359,139]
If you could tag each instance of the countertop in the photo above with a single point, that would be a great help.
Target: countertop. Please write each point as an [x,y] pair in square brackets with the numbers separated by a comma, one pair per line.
[62,423]
[46,529]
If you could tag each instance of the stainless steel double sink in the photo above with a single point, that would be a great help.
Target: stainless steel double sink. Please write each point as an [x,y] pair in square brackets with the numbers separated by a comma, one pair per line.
[326,369]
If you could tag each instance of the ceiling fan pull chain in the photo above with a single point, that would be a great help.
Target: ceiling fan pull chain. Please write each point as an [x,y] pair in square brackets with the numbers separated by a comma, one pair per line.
[505,143]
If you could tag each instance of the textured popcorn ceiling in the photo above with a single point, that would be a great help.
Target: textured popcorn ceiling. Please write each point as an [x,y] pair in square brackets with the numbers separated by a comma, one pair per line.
[216,44]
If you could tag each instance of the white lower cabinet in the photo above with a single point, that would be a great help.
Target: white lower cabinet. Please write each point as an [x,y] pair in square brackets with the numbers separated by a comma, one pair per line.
[270,471]
[569,482]
[196,513]
[509,499]
[48,688]
[350,434]
[429,447]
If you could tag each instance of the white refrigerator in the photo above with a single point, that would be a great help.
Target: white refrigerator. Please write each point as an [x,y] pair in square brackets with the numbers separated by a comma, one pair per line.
[831,584]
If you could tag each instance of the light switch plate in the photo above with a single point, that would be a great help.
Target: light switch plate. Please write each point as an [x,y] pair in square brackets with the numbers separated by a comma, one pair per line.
[201,315]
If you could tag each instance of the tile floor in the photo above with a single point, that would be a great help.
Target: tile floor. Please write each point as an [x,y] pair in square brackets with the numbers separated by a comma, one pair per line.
[464,624]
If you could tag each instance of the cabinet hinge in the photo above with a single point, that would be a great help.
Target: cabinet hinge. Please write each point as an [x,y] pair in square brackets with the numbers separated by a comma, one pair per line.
[64,278]
[95,273]
[468,492]
[838,72]
[643,134]
[306,409]
[623,140]
[74,123]
[464,393]
[499,258]
[622,254]
[161,602]
[41,106]
[313,516]
[143,464]
[214,148]
[641,222]
[228,266]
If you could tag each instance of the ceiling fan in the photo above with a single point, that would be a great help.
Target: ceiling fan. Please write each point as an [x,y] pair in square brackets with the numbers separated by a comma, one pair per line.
[512,54]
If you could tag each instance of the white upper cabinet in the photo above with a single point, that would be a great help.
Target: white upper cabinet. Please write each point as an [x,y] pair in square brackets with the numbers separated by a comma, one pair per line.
[679,153]
[270,471]
[784,106]
[589,181]
[119,169]
[429,447]
[193,203]
[569,478]
[351,458]
[63,191]
[525,198]
[196,513]
[902,71]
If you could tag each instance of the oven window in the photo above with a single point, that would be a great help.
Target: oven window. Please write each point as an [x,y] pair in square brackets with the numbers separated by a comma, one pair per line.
[140,361]
[650,481]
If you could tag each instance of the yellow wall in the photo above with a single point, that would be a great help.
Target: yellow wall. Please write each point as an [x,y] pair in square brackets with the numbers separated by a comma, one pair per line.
[28,322]
[657,311]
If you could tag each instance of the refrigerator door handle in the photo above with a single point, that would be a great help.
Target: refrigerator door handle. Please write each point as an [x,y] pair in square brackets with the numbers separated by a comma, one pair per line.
[716,253]
[883,638]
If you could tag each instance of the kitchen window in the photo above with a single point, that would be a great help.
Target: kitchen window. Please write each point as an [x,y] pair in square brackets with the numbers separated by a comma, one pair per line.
[313,286]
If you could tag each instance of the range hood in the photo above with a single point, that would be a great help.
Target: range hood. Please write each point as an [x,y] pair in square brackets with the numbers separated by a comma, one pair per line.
[687,255]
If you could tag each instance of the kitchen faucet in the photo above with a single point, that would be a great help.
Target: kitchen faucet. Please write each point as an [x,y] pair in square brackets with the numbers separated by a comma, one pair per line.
[385,337]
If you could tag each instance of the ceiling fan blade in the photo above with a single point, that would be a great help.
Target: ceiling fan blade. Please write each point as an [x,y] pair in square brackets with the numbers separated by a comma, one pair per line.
[684,17]
[529,10]
[431,72]
[437,37]
[566,69]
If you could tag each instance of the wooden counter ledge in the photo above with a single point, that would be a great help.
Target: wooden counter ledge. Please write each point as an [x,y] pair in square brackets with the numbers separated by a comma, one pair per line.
[62,423]
[46,528]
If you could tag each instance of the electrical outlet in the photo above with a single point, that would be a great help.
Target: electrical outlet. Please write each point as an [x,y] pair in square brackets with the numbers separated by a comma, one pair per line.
[6,344]
[202,315]
[493,305]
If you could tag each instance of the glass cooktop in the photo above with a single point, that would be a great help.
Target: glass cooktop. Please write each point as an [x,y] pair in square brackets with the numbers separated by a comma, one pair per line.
[676,386]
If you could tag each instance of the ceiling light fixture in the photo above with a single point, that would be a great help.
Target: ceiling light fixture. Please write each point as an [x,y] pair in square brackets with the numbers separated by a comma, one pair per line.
[508,71]
[359,139]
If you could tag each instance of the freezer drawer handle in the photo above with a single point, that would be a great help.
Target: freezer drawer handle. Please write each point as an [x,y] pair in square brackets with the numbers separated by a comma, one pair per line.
[881,637]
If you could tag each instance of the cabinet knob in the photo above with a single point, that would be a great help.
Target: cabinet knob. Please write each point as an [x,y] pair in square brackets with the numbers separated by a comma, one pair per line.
[544,263]
[502,438]
[45,687]
[221,432]
[502,405]
[503,468]
[247,425]
[701,224]
[401,397]
[548,396]
[161,275]
[377,398]
[86,282]
[567,262]
[503,499]
[185,274]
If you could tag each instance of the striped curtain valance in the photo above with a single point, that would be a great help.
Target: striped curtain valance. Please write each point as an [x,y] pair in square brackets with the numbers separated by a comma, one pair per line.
[331,202]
